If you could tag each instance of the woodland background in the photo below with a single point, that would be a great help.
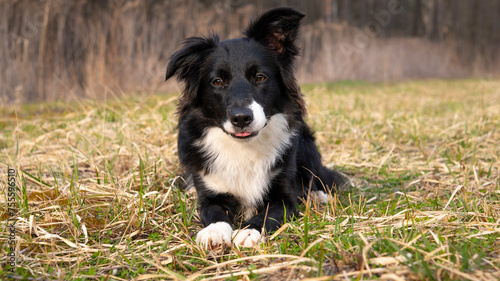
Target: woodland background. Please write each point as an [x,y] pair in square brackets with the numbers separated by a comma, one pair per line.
[59,49]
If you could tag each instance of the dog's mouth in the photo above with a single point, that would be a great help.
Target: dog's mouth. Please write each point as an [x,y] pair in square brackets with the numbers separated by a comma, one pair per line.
[244,135]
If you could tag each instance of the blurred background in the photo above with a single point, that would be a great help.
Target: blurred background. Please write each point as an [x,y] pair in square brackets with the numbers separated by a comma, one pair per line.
[63,49]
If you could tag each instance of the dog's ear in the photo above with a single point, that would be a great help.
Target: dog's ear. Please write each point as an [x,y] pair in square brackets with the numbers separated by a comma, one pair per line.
[186,64]
[277,29]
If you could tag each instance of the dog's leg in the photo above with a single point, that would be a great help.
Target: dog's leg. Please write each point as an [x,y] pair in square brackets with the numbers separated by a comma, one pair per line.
[217,212]
[269,219]
[281,204]
[311,173]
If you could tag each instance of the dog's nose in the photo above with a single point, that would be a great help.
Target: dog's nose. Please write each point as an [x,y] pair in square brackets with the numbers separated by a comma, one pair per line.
[241,117]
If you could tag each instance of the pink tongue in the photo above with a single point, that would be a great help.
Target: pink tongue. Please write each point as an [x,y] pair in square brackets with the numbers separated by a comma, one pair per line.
[242,135]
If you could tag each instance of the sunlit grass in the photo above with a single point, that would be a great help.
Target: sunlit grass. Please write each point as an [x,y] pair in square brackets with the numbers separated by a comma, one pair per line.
[96,198]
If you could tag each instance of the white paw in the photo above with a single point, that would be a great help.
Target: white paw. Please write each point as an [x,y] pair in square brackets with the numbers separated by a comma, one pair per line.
[320,196]
[246,237]
[215,235]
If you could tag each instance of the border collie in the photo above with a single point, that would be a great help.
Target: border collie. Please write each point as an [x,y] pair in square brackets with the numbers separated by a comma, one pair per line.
[242,136]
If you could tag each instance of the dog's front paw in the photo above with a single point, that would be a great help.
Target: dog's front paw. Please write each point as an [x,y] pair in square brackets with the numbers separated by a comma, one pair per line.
[215,235]
[246,237]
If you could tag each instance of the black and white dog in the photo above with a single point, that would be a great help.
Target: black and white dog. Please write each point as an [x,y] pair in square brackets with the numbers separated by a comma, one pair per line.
[242,136]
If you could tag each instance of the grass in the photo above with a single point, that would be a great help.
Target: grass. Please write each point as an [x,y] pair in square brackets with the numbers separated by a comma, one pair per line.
[95,198]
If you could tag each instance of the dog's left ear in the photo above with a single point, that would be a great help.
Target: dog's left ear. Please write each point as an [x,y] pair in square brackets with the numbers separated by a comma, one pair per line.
[277,29]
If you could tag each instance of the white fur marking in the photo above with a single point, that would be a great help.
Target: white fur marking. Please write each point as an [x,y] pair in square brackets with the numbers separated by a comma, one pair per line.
[259,120]
[320,196]
[243,168]
[246,237]
[214,235]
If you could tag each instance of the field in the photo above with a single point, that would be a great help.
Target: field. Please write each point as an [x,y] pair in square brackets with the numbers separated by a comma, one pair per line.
[96,196]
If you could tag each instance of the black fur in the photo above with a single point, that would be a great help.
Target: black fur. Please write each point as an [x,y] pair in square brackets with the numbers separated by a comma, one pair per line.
[269,47]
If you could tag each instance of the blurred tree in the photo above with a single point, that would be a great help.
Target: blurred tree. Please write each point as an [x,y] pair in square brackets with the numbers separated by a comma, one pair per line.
[80,47]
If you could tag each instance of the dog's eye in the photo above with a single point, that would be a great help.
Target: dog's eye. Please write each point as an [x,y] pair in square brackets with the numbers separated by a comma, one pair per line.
[217,82]
[260,77]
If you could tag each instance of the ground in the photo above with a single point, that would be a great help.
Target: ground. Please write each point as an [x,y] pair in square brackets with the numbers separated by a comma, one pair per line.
[96,196]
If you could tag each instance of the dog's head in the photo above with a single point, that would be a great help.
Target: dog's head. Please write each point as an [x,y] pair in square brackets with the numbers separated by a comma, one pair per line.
[241,83]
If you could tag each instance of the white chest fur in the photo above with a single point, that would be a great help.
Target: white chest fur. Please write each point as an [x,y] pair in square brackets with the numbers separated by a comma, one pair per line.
[243,168]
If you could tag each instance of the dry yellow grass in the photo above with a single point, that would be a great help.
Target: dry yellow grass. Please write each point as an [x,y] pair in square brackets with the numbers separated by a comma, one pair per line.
[95,198]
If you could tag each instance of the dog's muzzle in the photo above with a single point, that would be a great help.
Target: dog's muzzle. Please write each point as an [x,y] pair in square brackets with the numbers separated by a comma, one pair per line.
[245,122]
